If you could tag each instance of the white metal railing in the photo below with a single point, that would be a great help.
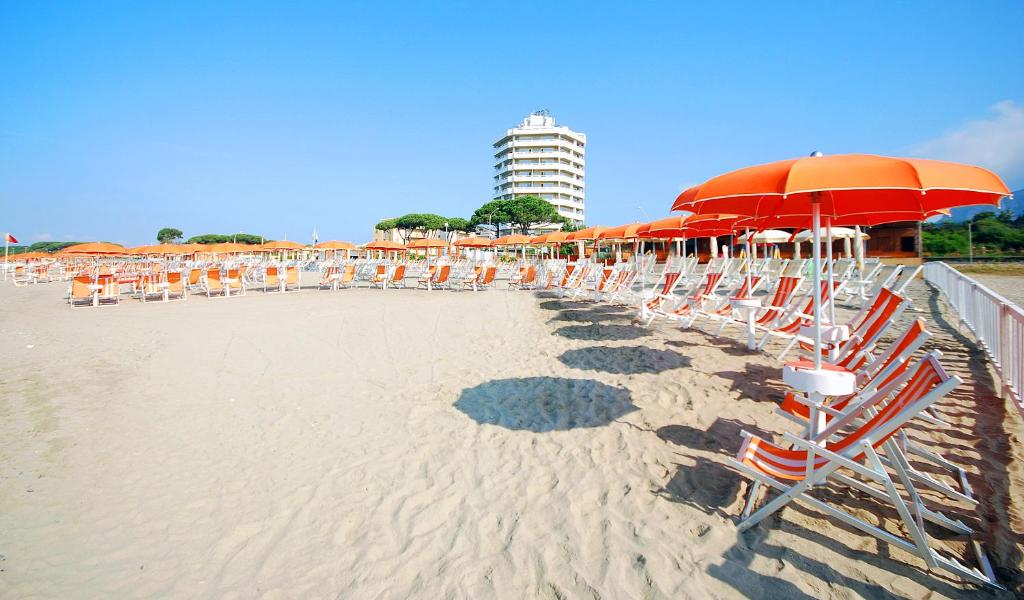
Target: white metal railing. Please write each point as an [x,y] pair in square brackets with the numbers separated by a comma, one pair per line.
[997,323]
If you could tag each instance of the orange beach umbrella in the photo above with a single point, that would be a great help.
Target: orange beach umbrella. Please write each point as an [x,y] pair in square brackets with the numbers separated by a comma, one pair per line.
[228,248]
[622,232]
[385,245]
[160,249]
[588,234]
[843,185]
[426,243]
[473,242]
[277,246]
[512,240]
[335,245]
[555,237]
[95,248]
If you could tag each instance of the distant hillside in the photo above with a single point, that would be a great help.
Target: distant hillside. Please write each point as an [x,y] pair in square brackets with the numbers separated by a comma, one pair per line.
[1016,205]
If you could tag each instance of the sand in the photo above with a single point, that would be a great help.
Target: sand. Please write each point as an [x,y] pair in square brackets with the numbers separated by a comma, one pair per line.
[405,444]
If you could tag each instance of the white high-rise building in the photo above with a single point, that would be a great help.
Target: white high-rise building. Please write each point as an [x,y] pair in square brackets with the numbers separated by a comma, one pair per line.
[540,159]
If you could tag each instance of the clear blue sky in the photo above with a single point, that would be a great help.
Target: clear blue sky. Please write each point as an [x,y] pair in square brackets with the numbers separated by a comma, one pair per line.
[273,118]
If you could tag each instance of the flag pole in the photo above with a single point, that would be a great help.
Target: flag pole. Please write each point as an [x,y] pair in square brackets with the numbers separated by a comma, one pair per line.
[7,248]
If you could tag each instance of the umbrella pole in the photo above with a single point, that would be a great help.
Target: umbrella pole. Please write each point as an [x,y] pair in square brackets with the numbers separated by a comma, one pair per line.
[816,286]
[748,264]
[828,254]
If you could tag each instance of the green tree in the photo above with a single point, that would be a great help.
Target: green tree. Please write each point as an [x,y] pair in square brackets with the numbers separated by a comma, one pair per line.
[169,235]
[458,224]
[217,238]
[521,213]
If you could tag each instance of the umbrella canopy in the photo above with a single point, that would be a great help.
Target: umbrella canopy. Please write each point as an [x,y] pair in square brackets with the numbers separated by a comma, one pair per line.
[667,228]
[95,248]
[863,219]
[335,245]
[690,226]
[588,234]
[427,243]
[282,245]
[512,240]
[838,233]
[844,184]
[385,245]
[228,248]
[160,249]
[768,236]
[473,242]
[622,232]
[555,237]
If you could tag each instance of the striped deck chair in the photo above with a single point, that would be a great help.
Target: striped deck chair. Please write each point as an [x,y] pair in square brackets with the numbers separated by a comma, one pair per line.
[79,293]
[149,288]
[271,280]
[575,281]
[491,272]
[431,272]
[724,309]
[623,287]
[788,325]
[213,284]
[686,310]
[528,280]
[649,309]
[872,377]
[347,278]
[194,283]
[566,275]
[175,286]
[397,279]
[235,282]
[866,328]
[292,281]
[785,289]
[329,278]
[851,444]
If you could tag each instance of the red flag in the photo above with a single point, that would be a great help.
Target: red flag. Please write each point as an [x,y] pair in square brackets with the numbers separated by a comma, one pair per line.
[11,239]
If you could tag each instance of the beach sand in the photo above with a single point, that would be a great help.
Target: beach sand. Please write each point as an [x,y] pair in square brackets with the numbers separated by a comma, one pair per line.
[405,444]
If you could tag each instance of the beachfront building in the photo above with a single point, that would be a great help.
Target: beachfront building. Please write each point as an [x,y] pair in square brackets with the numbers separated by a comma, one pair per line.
[542,159]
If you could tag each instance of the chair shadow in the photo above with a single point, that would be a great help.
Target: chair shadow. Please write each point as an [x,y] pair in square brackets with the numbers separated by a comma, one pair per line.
[588,316]
[757,382]
[724,436]
[578,305]
[544,404]
[596,332]
[624,360]
[707,485]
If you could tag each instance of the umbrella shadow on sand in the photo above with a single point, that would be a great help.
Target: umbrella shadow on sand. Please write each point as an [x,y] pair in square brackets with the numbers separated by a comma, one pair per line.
[602,333]
[624,360]
[543,404]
